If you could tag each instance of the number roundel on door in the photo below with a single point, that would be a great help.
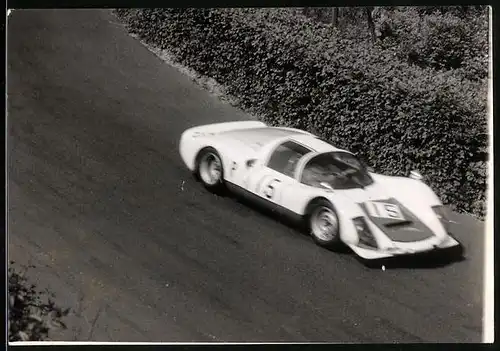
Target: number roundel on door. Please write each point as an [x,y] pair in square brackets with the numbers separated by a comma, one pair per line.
[269,189]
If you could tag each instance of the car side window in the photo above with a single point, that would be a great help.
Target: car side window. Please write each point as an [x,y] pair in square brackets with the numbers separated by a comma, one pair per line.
[285,157]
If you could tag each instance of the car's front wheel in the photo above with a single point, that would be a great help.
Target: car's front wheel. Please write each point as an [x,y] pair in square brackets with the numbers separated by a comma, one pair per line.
[209,170]
[324,225]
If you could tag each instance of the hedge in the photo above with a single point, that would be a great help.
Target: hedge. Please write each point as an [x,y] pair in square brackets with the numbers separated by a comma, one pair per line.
[296,72]
[455,39]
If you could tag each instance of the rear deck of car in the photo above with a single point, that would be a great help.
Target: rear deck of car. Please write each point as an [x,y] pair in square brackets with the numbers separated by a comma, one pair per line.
[314,143]
[258,137]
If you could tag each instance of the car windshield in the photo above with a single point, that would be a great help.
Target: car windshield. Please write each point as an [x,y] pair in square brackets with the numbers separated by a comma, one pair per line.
[339,170]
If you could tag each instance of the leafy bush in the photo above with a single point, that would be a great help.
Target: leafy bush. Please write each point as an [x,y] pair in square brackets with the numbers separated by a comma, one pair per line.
[30,317]
[297,72]
[442,38]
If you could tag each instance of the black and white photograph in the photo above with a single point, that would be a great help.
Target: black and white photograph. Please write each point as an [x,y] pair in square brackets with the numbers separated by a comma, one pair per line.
[249,175]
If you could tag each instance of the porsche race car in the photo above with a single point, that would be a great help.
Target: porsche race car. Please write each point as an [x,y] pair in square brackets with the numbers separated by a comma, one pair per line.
[338,198]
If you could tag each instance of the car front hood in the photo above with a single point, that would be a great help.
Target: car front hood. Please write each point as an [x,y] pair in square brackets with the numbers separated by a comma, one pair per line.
[388,214]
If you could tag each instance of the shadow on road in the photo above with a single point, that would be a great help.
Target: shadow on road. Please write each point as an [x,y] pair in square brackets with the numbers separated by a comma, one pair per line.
[432,260]
[437,259]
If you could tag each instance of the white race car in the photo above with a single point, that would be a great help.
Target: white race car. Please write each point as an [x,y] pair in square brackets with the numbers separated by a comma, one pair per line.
[328,189]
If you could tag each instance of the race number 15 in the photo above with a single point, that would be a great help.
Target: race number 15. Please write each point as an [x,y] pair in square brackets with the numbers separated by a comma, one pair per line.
[384,210]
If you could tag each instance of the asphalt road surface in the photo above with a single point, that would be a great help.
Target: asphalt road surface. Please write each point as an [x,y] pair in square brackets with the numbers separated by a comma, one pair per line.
[101,204]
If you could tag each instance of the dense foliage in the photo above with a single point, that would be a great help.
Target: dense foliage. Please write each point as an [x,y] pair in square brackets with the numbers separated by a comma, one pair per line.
[442,40]
[31,314]
[408,101]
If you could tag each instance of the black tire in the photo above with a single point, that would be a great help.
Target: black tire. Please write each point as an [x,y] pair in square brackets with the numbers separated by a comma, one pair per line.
[207,155]
[316,209]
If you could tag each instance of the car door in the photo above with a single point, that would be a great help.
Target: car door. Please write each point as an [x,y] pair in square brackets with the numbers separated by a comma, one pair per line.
[276,173]
[270,184]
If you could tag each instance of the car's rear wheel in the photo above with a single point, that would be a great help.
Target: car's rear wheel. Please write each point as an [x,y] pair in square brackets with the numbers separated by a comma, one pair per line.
[324,225]
[209,169]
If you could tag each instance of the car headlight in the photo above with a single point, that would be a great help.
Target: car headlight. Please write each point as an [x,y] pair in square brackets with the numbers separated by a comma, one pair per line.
[443,216]
[365,235]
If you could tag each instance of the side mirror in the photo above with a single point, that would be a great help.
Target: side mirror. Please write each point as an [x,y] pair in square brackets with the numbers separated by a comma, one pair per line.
[251,162]
[326,186]
[415,175]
